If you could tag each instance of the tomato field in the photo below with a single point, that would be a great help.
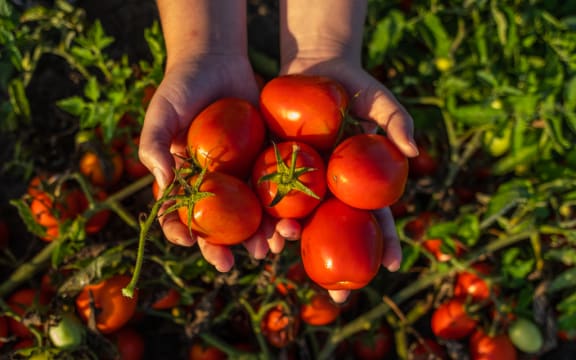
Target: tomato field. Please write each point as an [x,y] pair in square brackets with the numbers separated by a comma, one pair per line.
[486,213]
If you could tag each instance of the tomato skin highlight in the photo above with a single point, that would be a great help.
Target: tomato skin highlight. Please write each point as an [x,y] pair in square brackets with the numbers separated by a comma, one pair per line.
[450,320]
[367,171]
[469,284]
[231,215]
[115,309]
[295,204]
[341,246]
[312,113]
[227,136]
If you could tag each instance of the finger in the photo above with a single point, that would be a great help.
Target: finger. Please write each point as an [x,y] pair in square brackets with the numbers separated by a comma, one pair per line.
[174,231]
[276,243]
[257,245]
[339,296]
[289,229]
[392,257]
[158,132]
[373,101]
[218,255]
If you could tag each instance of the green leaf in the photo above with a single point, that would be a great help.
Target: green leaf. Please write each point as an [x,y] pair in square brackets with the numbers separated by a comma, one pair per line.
[83,54]
[468,229]
[386,37]
[566,256]
[515,191]
[91,90]
[410,254]
[524,156]
[434,35]
[28,218]
[18,99]
[570,94]
[74,105]
[517,265]
[478,114]
[564,280]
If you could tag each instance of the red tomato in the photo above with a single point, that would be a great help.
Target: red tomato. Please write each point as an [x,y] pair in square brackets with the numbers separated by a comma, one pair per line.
[3,329]
[320,310]
[113,310]
[434,246]
[132,165]
[485,347]
[341,246]
[104,170]
[289,181]
[229,216]
[373,346]
[423,164]
[279,327]
[304,108]
[451,320]
[23,344]
[49,211]
[169,299]
[97,221]
[367,171]
[200,351]
[469,284]
[227,136]
[425,350]
[417,227]
[21,302]
[129,343]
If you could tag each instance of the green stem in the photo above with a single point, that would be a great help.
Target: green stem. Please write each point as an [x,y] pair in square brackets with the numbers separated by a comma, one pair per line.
[256,319]
[28,269]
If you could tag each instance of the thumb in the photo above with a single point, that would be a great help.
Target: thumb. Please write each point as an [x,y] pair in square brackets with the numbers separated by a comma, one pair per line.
[373,101]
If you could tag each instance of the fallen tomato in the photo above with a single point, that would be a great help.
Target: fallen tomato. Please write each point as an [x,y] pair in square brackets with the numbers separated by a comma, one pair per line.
[113,310]
[367,171]
[313,112]
[227,136]
[222,209]
[341,246]
[289,179]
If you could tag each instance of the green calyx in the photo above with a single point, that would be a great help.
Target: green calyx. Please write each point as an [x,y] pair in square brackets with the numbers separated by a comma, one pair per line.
[287,177]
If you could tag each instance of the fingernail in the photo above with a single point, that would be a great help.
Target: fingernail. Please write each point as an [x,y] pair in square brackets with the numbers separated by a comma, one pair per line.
[160,178]
[393,266]
[414,147]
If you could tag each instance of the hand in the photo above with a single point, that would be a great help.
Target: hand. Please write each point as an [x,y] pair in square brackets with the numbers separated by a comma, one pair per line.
[187,88]
[371,101]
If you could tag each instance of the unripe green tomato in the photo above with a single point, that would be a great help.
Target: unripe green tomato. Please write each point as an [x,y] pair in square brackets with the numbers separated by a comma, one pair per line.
[68,333]
[525,335]
[497,144]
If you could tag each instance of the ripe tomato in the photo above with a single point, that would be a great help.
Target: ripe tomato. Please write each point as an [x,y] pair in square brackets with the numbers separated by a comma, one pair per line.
[319,310]
[469,284]
[341,246]
[227,136]
[129,343]
[296,274]
[103,170]
[423,165]
[434,246]
[21,302]
[451,320]
[132,165]
[229,216]
[304,108]
[200,351]
[168,300]
[525,335]
[485,347]
[367,171]
[3,329]
[279,327]
[417,227]
[97,221]
[373,346]
[113,310]
[275,179]
[425,350]
[49,211]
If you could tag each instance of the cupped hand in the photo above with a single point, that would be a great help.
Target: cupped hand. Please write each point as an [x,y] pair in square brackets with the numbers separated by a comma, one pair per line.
[373,102]
[187,88]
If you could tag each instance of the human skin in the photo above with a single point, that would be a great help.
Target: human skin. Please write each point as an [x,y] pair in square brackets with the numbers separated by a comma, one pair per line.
[206,44]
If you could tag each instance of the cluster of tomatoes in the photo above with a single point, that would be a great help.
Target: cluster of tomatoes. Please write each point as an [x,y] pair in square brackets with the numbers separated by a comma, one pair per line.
[294,157]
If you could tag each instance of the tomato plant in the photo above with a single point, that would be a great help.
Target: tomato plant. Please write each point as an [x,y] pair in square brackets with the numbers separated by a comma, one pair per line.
[131,163]
[451,320]
[525,335]
[289,179]
[21,302]
[486,347]
[113,310]
[341,246]
[313,113]
[103,168]
[67,332]
[200,351]
[227,136]
[422,165]
[279,326]
[49,210]
[367,171]
[440,249]
[471,284]
[374,345]
[221,208]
